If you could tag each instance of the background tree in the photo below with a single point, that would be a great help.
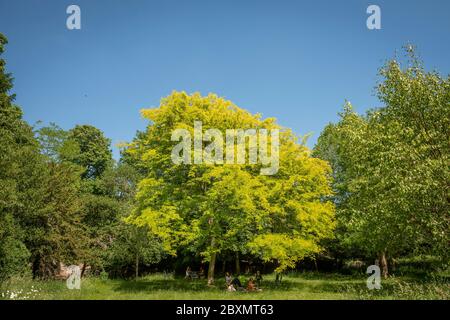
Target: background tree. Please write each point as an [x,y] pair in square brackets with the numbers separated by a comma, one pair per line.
[87,148]
[56,145]
[131,248]
[15,139]
[37,200]
[94,150]
[391,165]
[104,200]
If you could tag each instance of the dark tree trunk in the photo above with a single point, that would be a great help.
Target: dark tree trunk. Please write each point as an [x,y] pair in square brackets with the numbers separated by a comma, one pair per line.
[238,264]
[136,267]
[83,270]
[35,268]
[212,263]
[278,278]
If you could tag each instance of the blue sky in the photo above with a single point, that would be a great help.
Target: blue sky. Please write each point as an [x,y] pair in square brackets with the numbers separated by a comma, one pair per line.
[294,60]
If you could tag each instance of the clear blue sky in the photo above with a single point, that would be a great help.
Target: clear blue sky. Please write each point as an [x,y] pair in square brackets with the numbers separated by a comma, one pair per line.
[294,60]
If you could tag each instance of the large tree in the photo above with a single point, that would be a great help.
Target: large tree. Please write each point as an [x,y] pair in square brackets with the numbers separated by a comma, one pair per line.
[211,209]
[106,192]
[38,198]
[94,150]
[16,139]
[391,165]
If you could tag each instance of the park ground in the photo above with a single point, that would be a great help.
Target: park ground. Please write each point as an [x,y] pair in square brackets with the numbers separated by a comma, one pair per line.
[294,286]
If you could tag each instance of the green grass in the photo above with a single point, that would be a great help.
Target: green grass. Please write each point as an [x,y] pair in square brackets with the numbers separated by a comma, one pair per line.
[294,286]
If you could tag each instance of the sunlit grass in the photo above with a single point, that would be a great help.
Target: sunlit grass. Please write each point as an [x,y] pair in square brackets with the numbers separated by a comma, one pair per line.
[296,286]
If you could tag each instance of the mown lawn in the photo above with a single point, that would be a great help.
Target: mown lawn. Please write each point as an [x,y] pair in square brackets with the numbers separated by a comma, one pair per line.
[294,286]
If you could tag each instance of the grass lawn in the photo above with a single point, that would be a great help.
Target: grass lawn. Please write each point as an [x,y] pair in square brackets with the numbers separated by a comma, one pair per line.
[294,286]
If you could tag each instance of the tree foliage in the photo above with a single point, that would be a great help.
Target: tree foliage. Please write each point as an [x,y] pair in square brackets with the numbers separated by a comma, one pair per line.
[210,209]
[391,165]
[94,154]
[38,198]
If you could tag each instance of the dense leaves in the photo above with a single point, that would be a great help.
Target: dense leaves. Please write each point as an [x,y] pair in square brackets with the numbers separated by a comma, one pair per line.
[62,199]
[391,166]
[212,209]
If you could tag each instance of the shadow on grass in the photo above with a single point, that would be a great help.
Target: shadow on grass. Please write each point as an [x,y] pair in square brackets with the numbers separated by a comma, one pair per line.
[292,284]
[162,284]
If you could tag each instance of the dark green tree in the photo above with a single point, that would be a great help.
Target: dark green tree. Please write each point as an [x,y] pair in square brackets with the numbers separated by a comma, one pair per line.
[94,150]
[18,152]
[39,207]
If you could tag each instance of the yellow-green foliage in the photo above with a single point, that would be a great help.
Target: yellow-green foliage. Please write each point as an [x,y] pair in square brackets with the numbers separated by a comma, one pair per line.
[212,208]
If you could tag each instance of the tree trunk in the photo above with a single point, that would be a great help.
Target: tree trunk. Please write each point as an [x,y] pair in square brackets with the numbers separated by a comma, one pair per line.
[238,264]
[35,268]
[212,263]
[384,265]
[224,266]
[83,269]
[136,268]
[278,277]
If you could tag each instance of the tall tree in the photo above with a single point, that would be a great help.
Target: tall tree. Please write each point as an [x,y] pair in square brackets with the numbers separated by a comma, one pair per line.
[19,191]
[391,166]
[94,150]
[212,209]
[37,198]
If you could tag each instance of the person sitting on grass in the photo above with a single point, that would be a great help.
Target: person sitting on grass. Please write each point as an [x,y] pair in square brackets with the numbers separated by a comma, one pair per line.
[237,283]
[201,273]
[258,278]
[188,273]
[228,278]
[251,286]
[231,288]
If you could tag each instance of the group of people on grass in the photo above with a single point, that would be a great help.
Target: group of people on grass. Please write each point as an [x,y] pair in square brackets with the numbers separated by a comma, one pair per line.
[195,274]
[234,284]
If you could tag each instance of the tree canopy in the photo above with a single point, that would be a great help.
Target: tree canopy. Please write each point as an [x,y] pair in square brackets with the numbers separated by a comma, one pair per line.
[214,208]
[391,165]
